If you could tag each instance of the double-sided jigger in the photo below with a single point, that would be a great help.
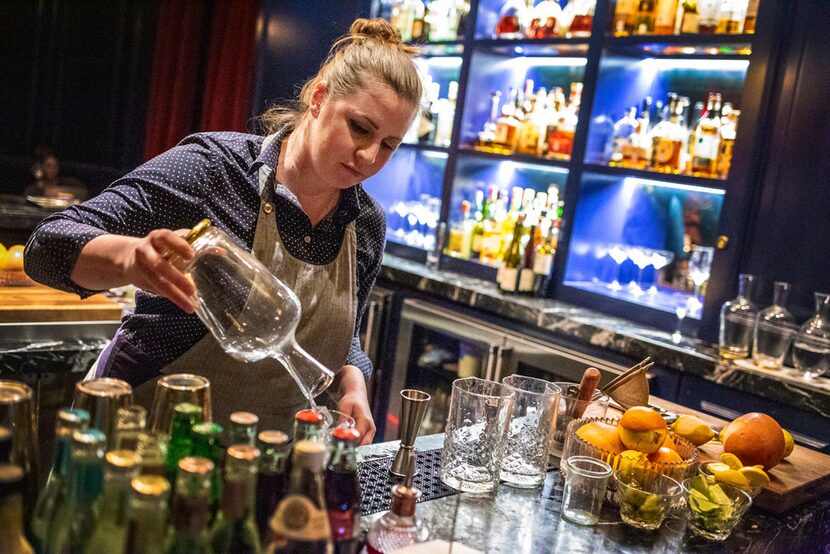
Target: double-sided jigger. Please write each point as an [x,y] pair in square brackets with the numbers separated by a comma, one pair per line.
[413,407]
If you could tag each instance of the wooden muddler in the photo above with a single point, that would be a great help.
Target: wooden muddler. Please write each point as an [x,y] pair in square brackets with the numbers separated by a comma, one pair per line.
[587,386]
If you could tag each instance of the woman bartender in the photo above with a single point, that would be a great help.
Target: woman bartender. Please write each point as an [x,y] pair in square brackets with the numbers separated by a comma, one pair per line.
[293,197]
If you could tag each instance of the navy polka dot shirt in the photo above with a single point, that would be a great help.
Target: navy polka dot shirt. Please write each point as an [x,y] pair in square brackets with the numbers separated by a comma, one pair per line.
[207,175]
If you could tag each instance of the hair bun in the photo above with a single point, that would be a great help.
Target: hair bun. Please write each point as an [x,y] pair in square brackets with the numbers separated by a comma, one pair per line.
[377,28]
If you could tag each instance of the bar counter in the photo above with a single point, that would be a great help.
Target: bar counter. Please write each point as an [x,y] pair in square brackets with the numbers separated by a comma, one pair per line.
[528,521]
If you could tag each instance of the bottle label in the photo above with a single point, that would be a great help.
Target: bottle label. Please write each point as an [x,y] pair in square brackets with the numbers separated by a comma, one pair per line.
[343,525]
[690,23]
[542,264]
[298,518]
[706,147]
[663,150]
[526,279]
[508,279]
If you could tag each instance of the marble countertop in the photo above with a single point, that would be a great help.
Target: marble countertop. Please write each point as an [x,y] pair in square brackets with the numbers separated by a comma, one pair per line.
[528,521]
[611,333]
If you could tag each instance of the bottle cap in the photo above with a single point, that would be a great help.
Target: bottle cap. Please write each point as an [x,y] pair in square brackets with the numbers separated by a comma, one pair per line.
[195,465]
[346,434]
[73,417]
[271,437]
[122,459]
[404,499]
[243,452]
[309,416]
[91,437]
[150,485]
[244,418]
[310,454]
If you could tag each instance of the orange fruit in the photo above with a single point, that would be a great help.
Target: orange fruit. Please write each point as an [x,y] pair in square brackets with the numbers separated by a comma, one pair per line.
[642,429]
[756,439]
[664,456]
[602,436]
[669,443]
[12,259]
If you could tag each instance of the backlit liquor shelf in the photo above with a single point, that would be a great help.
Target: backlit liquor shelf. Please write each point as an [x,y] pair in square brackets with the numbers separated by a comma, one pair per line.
[631,124]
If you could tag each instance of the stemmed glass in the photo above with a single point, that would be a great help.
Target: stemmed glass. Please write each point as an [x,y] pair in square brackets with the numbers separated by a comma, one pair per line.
[599,251]
[681,302]
[619,255]
[700,265]
[659,259]
[252,314]
[641,258]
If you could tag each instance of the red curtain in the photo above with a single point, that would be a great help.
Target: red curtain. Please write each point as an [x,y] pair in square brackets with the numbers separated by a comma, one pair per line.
[180,62]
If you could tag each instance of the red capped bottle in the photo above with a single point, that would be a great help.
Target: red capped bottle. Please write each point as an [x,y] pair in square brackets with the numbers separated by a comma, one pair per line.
[343,491]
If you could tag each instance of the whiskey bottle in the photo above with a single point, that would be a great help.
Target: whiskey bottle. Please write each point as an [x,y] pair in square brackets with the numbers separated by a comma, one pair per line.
[488,133]
[478,228]
[706,141]
[644,21]
[544,20]
[667,141]
[625,15]
[665,13]
[728,132]
[507,125]
[689,19]
[708,16]
[511,263]
[624,128]
[751,16]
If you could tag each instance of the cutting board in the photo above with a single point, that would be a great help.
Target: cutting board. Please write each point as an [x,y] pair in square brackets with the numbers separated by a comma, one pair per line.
[42,304]
[802,476]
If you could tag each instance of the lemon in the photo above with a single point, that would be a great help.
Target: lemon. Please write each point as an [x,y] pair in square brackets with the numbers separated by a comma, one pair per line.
[789,444]
[731,460]
[693,429]
[756,478]
[632,459]
[2,249]
[12,259]
[726,474]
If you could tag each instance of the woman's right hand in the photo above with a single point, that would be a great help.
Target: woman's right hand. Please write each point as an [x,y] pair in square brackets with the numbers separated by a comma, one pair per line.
[145,264]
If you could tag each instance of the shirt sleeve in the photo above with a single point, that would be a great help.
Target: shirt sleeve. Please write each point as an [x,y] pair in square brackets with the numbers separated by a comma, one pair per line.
[162,193]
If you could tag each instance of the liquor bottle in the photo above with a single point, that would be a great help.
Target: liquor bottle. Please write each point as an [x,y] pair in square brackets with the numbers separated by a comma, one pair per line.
[419,12]
[152,450]
[54,494]
[400,526]
[665,14]
[190,511]
[491,241]
[206,444]
[130,422]
[147,530]
[511,263]
[242,428]
[443,20]
[110,533]
[272,479]
[708,16]
[12,537]
[728,133]
[774,330]
[301,523]
[343,495]
[488,134]
[690,17]
[811,346]
[543,261]
[624,129]
[731,17]
[644,20]
[529,138]
[544,20]
[185,416]
[751,16]
[73,523]
[737,321]
[625,14]
[510,20]
[507,125]
[667,141]
[561,140]
[403,14]
[706,141]
[459,234]
[235,529]
[478,227]
[445,116]
[580,13]
[526,277]
[425,126]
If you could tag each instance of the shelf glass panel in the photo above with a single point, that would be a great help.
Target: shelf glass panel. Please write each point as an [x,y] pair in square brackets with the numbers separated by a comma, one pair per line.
[409,190]
[632,239]
[534,48]
[624,81]
[680,46]
[476,173]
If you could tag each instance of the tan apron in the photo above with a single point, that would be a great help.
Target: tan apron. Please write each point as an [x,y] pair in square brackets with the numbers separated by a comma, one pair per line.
[327,295]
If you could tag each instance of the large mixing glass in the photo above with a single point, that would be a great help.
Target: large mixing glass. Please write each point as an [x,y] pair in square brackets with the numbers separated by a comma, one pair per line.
[252,314]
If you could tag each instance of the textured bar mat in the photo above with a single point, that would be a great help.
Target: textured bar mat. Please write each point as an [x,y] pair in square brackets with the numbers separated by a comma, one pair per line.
[376,485]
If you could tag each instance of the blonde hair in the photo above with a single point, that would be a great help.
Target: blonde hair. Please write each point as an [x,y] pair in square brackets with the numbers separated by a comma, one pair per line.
[372,50]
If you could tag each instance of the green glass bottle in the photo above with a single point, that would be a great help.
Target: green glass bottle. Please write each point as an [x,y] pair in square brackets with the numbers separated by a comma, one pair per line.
[242,429]
[74,518]
[147,528]
[110,533]
[185,416]
[54,493]
[206,438]
[190,512]
[308,425]
[271,479]
[152,449]
[12,537]
[235,529]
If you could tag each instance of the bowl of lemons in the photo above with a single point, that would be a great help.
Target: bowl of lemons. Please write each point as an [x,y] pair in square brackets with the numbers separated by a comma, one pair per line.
[11,267]
[731,471]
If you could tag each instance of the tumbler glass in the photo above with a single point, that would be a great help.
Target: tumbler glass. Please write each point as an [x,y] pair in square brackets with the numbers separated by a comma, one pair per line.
[476,434]
[645,497]
[17,414]
[332,419]
[586,479]
[529,435]
[174,389]
[713,516]
[570,408]
[102,398]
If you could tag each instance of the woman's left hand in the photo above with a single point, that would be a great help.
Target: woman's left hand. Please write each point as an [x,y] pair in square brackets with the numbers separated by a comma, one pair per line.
[354,402]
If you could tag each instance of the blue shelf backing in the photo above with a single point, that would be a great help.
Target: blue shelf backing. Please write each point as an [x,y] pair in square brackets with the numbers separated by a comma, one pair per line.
[409,189]
[631,238]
